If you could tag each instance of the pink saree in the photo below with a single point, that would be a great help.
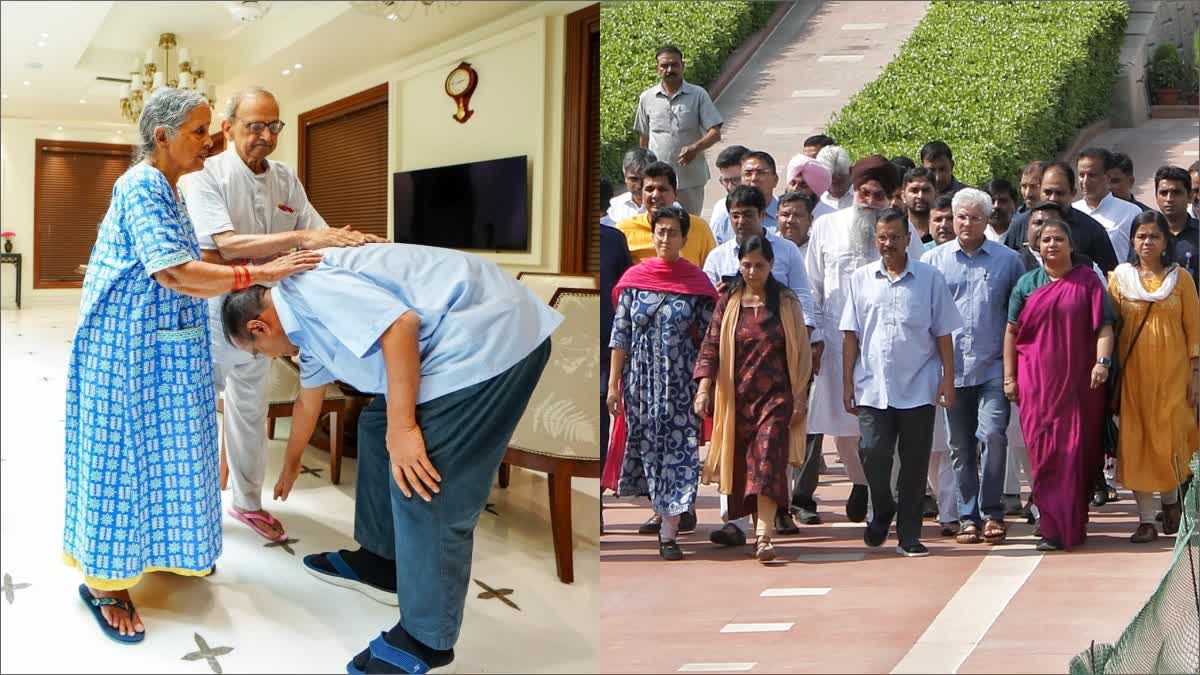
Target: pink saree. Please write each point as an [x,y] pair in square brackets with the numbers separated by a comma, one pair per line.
[1061,415]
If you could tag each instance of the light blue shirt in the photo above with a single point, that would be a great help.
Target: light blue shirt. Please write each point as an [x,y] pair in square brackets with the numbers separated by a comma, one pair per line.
[898,323]
[788,269]
[476,320]
[981,285]
[722,229]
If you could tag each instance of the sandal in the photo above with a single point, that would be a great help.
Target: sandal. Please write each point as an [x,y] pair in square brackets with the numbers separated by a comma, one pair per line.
[394,657]
[764,551]
[669,550]
[253,519]
[969,534]
[110,631]
[995,531]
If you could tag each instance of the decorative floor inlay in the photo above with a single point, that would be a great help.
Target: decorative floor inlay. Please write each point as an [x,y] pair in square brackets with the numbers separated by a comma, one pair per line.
[497,593]
[9,587]
[210,654]
[285,545]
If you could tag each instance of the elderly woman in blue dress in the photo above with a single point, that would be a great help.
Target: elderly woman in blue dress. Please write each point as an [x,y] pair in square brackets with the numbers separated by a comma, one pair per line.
[141,428]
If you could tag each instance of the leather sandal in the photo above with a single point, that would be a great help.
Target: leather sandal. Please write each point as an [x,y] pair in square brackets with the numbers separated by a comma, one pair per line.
[995,531]
[1144,534]
[763,550]
[969,534]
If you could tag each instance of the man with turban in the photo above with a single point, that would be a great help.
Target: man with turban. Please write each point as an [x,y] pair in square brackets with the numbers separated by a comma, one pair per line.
[840,243]
[837,161]
[810,177]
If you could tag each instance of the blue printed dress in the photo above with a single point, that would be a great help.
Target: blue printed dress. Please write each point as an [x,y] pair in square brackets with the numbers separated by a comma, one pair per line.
[142,489]
[660,333]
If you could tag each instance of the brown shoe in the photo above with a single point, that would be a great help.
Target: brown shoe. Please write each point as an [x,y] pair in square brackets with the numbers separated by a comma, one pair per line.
[1145,534]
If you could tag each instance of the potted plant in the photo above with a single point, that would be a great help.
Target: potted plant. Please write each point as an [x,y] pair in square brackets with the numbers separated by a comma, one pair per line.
[1194,91]
[8,237]
[1167,74]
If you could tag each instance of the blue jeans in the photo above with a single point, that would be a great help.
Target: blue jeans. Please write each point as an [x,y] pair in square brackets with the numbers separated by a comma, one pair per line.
[979,415]
[466,435]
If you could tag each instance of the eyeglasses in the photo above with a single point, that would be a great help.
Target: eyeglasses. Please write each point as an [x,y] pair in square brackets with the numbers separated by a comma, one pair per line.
[258,127]
[735,181]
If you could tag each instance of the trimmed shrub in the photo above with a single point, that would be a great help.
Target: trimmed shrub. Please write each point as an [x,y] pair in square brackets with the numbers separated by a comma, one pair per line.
[1002,83]
[630,32]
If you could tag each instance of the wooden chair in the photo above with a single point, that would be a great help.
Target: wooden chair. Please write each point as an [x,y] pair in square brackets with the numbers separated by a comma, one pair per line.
[283,384]
[544,284]
[559,433]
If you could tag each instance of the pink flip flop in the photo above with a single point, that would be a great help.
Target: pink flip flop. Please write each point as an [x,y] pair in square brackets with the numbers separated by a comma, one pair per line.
[252,520]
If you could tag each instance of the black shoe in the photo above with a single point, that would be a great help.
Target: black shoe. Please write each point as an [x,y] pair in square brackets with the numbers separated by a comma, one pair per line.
[1099,498]
[875,534]
[808,516]
[784,523]
[651,526]
[912,550]
[1144,534]
[728,535]
[1046,545]
[856,504]
[930,507]
[669,550]
[1027,512]
[1171,515]
[687,521]
[951,529]
[1012,505]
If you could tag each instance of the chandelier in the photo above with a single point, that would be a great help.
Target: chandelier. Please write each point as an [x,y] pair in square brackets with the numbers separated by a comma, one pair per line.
[401,10]
[156,72]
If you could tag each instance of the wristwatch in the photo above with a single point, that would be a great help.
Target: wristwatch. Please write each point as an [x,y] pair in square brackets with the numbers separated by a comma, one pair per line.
[1104,361]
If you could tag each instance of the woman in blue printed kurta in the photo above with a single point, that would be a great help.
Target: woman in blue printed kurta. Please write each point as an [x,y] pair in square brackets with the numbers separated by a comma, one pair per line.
[142,489]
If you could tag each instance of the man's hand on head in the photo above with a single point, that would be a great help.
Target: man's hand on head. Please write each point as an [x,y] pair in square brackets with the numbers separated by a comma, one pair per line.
[332,237]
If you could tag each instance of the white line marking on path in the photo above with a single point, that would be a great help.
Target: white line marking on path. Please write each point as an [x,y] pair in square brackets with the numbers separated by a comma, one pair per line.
[864,26]
[841,58]
[715,667]
[962,623]
[758,627]
[792,592]
[815,93]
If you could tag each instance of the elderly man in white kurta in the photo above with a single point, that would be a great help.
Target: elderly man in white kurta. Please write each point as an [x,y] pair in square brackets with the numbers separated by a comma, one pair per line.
[840,243]
[246,208]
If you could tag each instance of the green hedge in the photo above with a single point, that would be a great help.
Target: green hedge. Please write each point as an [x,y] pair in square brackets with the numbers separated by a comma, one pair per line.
[630,32]
[1002,83]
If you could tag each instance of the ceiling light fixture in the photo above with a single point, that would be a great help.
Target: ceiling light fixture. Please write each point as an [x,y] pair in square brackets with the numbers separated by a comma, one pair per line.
[45,35]
[59,128]
[83,100]
[401,10]
[26,83]
[286,72]
[146,77]
[298,66]
[41,43]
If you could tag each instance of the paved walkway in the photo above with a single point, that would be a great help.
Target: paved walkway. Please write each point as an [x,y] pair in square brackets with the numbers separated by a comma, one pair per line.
[820,55]
[831,604]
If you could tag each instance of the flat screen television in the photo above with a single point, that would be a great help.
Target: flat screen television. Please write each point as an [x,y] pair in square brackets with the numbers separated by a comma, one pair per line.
[480,205]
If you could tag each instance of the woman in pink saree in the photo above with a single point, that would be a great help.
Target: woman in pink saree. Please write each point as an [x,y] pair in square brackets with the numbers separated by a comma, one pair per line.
[1057,355]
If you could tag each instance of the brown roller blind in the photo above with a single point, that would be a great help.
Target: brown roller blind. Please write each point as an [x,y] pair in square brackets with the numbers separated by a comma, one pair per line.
[593,158]
[73,185]
[345,167]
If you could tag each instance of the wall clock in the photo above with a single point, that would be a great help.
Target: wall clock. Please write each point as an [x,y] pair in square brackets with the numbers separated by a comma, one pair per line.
[460,85]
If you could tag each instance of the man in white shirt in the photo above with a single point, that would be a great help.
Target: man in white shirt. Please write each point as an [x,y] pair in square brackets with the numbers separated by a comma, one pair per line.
[729,173]
[629,203]
[1116,215]
[837,160]
[246,208]
[840,243]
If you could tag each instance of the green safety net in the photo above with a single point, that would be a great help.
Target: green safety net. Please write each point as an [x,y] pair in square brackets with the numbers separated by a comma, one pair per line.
[1165,635]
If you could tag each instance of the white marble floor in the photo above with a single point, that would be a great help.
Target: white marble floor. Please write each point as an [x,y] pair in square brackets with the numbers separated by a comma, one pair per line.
[261,603]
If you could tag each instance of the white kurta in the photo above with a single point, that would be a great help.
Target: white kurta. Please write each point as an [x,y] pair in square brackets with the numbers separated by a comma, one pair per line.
[1116,215]
[830,262]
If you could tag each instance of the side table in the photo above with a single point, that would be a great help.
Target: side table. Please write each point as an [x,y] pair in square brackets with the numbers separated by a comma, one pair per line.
[15,259]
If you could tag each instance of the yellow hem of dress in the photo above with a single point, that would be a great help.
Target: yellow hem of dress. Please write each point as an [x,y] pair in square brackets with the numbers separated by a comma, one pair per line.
[123,584]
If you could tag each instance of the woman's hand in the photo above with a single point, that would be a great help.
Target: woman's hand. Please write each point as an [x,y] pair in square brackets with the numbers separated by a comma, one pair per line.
[703,405]
[287,265]
[1010,389]
[287,478]
[1099,375]
[411,467]
[798,412]
[613,400]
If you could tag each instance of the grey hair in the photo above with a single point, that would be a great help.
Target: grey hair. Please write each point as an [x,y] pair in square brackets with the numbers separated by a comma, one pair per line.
[638,159]
[836,159]
[168,108]
[231,105]
[971,197]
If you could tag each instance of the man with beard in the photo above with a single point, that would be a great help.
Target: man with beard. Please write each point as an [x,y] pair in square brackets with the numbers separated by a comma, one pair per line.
[901,312]
[1116,215]
[1120,180]
[629,203]
[658,190]
[758,171]
[941,221]
[937,158]
[1004,202]
[1090,237]
[814,144]
[840,243]
[837,161]
[678,121]
[747,208]
[918,200]
[1031,186]
[729,170]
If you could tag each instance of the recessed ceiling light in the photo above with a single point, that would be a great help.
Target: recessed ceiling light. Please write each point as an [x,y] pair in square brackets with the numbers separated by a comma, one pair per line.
[286,71]
[26,83]
[393,16]
[298,66]
[41,43]
[119,132]
[4,95]
[83,100]
[45,35]
[59,128]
